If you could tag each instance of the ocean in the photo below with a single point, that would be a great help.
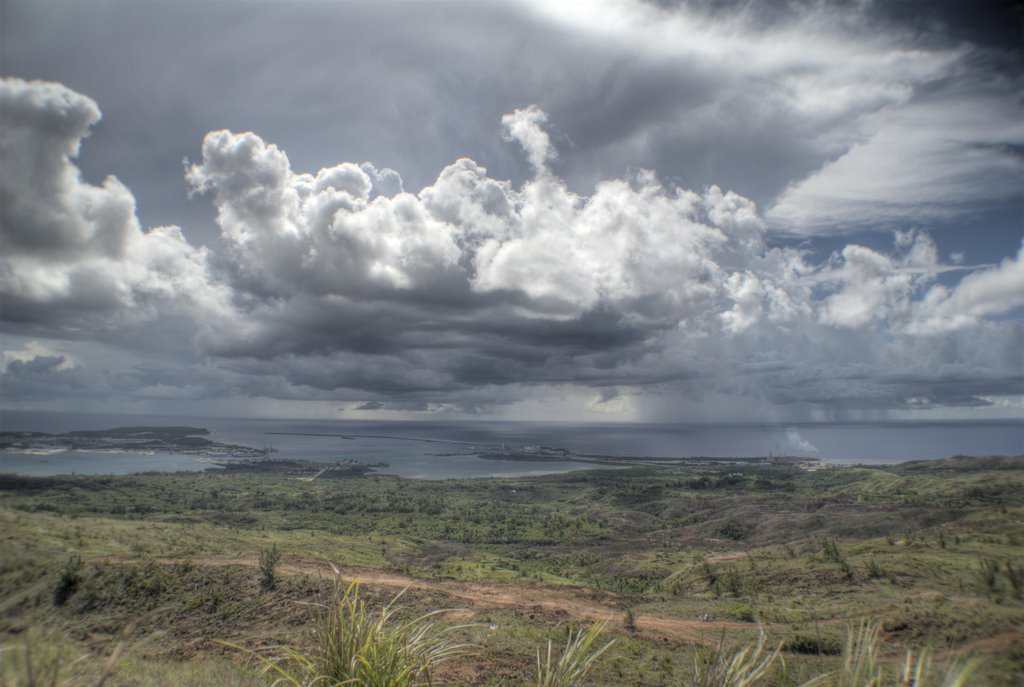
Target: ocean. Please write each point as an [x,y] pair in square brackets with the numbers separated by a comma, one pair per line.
[839,443]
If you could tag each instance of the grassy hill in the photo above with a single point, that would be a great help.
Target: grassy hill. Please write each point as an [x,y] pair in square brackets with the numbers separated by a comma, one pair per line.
[679,563]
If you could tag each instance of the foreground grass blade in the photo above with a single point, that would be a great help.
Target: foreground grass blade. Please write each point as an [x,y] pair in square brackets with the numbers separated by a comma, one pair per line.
[356,647]
[575,661]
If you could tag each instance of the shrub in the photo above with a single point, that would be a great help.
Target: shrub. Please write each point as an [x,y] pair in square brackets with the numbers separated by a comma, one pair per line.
[68,581]
[629,620]
[269,558]
[733,529]
[815,646]
[1016,579]
[830,548]
[732,582]
[874,569]
[988,575]
[709,574]
[744,613]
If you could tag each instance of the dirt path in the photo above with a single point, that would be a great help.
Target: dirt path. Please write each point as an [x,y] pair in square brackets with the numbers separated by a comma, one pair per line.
[582,605]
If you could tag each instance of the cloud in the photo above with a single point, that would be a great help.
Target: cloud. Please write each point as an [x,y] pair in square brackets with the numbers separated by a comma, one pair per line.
[341,286]
[526,127]
[644,253]
[319,231]
[834,118]
[40,372]
[473,282]
[831,117]
[935,158]
[994,291]
[871,288]
[71,248]
[35,350]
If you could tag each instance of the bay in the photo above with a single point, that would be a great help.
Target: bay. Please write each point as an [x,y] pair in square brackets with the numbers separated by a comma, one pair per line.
[397,444]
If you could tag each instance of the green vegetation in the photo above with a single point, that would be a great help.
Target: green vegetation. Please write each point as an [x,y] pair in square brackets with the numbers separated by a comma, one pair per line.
[629,620]
[269,558]
[574,663]
[68,580]
[746,667]
[44,659]
[363,649]
[862,666]
[931,552]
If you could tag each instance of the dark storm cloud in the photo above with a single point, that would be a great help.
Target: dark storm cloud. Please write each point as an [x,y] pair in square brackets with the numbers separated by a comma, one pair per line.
[48,376]
[379,81]
[475,283]
[553,259]
[752,99]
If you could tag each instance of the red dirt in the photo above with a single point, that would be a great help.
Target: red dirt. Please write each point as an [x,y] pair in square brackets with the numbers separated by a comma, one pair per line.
[582,605]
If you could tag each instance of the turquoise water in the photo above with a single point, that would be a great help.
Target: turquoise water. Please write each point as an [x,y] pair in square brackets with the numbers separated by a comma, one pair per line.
[94,463]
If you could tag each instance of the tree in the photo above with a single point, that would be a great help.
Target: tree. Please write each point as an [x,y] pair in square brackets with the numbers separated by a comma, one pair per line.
[269,558]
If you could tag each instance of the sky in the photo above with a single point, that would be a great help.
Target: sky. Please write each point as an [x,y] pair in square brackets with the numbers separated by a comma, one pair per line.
[607,211]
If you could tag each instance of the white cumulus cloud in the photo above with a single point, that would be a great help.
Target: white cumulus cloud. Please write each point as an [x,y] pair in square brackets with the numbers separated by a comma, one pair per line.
[340,284]
[70,247]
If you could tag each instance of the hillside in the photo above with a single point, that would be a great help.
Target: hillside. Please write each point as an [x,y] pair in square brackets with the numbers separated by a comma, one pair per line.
[678,561]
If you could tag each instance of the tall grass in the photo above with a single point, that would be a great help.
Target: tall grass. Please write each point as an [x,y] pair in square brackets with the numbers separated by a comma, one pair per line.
[45,658]
[863,667]
[357,647]
[39,660]
[918,671]
[572,665]
[744,668]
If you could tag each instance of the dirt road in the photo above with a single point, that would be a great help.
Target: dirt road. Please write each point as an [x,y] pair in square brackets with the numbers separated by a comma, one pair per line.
[580,604]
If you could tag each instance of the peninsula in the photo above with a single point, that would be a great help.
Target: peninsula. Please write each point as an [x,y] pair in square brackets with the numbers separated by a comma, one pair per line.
[143,440]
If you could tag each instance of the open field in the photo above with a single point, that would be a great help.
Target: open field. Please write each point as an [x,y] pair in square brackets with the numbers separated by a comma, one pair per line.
[171,564]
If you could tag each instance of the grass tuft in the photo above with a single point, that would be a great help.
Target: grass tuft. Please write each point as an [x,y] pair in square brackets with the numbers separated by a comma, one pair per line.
[357,647]
[862,666]
[744,668]
[45,658]
[40,660]
[575,661]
